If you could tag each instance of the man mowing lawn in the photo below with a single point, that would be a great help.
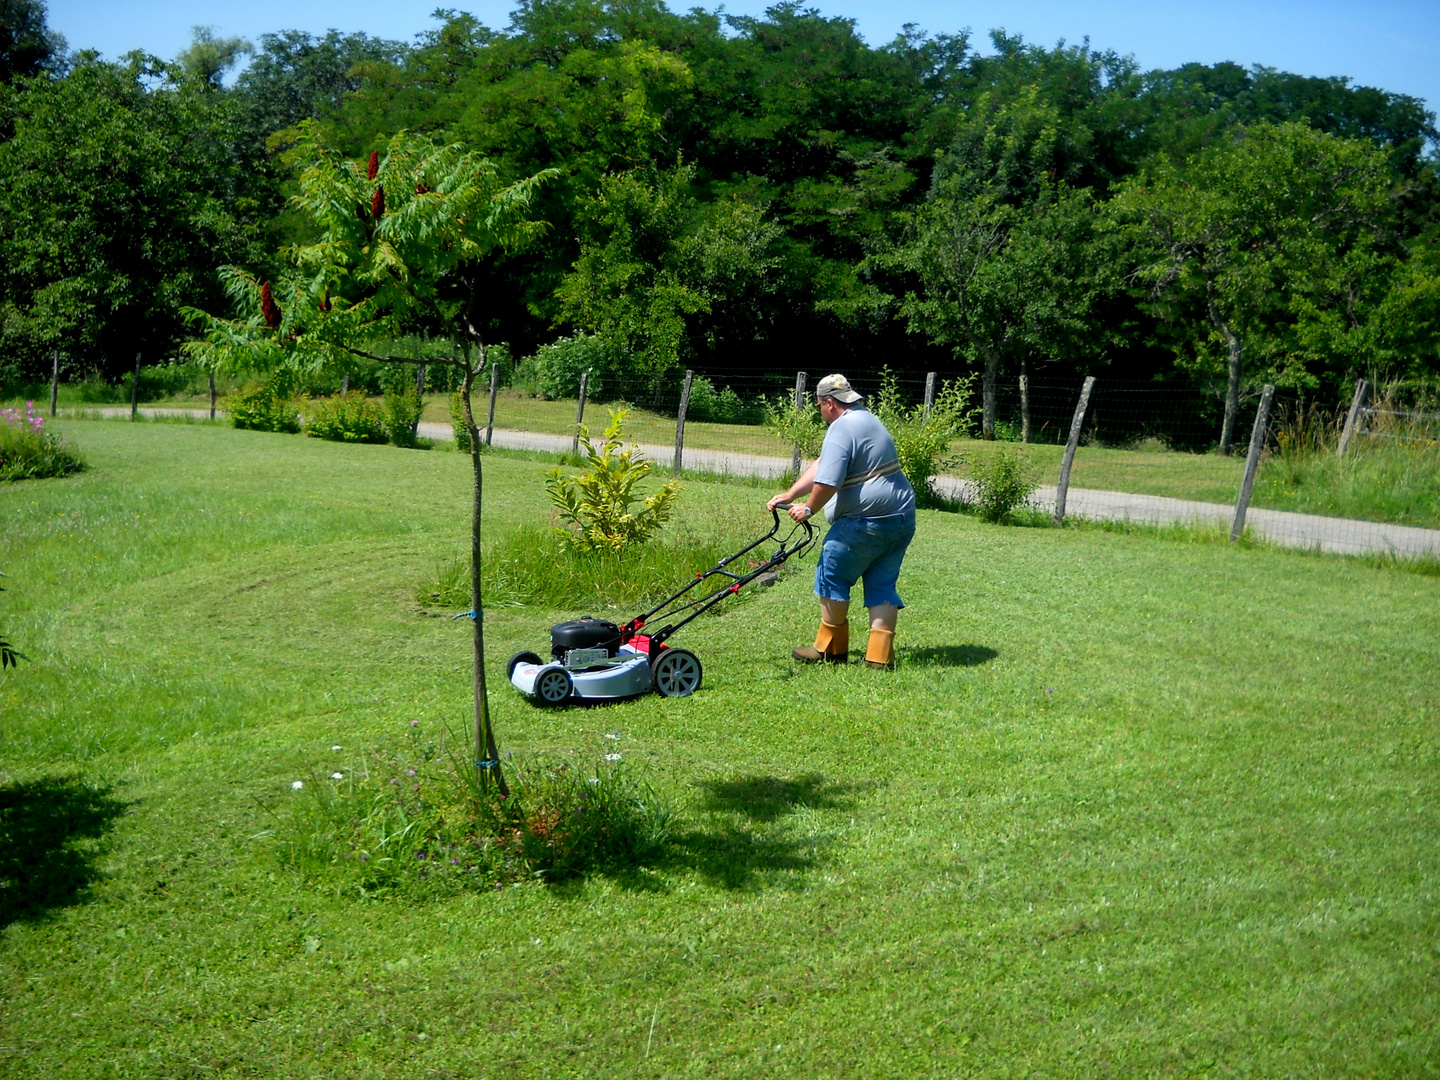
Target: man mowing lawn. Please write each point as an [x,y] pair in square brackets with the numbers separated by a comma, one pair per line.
[872,519]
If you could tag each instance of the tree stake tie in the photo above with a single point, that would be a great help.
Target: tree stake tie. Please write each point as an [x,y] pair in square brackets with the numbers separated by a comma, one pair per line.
[465,615]
[488,763]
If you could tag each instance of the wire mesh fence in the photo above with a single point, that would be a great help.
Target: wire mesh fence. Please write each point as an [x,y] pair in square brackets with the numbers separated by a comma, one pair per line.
[1147,451]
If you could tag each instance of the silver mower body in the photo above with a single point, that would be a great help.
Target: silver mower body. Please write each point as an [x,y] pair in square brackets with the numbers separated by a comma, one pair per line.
[593,675]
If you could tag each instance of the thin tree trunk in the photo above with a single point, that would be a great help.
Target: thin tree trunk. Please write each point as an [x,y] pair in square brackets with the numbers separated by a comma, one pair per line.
[488,765]
[987,392]
[420,396]
[1024,400]
[1235,347]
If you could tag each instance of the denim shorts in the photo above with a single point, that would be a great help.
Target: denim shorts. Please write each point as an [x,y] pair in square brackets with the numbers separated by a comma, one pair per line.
[869,548]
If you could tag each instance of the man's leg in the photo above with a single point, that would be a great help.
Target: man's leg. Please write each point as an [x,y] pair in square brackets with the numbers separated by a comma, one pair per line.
[880,649]
[832,642]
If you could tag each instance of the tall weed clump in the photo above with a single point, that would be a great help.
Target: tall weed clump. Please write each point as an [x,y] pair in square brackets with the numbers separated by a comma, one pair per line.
[527,566]
[30,452]
[922,440]
[1390,471]
[414,820]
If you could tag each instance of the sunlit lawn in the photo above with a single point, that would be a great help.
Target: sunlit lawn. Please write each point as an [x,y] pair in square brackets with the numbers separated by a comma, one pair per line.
[1128,806]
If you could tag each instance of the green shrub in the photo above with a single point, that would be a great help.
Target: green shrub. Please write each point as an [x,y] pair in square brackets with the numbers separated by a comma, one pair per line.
[923,442]
[402,403]
[457,421]
[28,451]
[795,425]
[1003,483]
[414,820]
[596,504]
[708,405]
[555,369]
[269,407]
[347,418]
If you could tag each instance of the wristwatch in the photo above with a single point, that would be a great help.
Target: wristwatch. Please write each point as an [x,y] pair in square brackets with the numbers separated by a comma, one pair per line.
[808,512]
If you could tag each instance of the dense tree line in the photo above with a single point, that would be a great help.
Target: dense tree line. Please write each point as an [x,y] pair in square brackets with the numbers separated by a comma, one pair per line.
[742,194]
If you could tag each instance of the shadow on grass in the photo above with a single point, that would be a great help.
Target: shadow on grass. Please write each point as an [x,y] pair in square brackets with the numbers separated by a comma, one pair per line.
[747,844]
[766,798]
[948,655]
[45,862]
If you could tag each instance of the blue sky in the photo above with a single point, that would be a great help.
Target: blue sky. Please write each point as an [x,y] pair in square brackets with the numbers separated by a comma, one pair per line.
[1391,44]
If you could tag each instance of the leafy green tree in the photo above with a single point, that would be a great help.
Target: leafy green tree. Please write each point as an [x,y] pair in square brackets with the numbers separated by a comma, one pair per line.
[661,278]
[118,199]
[27,45]
[208,57]
[400,241]
[1265,232]
[1002,253]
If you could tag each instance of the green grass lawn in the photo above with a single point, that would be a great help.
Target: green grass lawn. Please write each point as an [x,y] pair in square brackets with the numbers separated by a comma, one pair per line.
[1128,807]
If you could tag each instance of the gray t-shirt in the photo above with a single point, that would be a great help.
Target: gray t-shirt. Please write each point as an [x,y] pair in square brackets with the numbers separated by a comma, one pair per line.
[859,460]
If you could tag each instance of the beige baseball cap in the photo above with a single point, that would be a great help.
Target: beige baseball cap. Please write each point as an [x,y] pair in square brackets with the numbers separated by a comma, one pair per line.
[837,387]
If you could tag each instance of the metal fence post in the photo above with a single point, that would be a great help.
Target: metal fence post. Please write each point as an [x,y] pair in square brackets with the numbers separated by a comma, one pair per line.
[799,404]
[1357,404]
[135,390]
[680,419]
[1063,487]
[1252,461]
[494,389]
[929,393]
[580,411]
[54,382]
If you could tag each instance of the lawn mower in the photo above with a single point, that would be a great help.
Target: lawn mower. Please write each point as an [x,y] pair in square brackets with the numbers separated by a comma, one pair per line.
[595,660]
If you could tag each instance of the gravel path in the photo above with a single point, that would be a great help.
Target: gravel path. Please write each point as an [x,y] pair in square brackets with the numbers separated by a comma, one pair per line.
[1340,535]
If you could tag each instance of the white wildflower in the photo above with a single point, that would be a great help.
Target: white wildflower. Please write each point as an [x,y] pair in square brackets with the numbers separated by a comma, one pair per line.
[612,757]
[337,776]
[296,785]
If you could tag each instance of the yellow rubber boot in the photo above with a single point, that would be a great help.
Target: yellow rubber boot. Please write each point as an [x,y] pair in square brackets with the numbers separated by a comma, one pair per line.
[832,644]
[880,652]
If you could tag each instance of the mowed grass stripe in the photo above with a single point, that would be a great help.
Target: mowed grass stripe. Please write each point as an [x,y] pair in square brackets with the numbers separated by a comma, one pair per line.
[1128,806]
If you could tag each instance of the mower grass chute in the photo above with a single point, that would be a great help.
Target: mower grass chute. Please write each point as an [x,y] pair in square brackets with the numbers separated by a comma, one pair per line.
[595,660]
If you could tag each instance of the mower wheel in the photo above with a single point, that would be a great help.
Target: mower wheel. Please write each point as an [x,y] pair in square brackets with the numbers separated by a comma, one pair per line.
[676,673]
[553,686]
[518,659]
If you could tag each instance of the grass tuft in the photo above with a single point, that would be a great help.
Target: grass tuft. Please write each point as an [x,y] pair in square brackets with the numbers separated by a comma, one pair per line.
[414,821]
[528,566]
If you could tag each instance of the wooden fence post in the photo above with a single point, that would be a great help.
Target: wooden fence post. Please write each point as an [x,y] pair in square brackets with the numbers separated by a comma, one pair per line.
[345,384]
[1024,400]
[135,390]
[1252,461]
[929,393]
[1063,487]
[1357,404]
[680,420]
[494,389]
[799,404]
[580,411]
[212,395]
[54,382]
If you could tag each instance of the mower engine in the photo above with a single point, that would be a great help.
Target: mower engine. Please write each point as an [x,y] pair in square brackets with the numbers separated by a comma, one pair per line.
[584,641]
